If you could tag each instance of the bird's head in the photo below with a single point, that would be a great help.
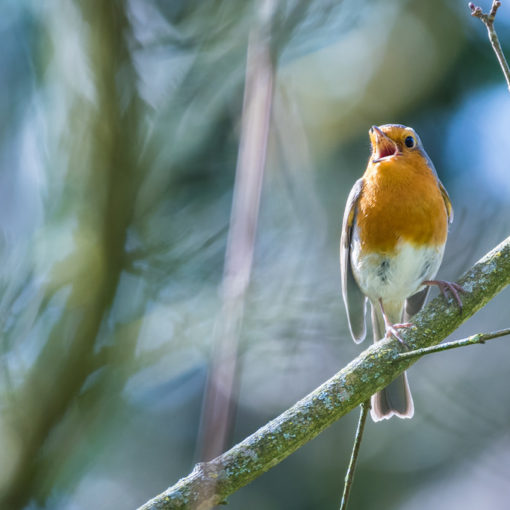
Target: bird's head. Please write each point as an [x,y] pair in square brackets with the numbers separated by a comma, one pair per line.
[393,140]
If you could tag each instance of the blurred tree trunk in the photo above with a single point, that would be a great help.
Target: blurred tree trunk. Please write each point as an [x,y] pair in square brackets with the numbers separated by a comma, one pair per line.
[101,183]
[221,389]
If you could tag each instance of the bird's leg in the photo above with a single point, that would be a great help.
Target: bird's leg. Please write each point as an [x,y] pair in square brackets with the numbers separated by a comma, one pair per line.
[453,287]
[391,329]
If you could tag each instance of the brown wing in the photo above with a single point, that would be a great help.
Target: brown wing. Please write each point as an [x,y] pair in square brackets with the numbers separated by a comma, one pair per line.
[447,201]
[354,299]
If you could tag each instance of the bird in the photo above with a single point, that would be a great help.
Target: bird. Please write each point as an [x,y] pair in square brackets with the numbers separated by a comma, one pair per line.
[392,243]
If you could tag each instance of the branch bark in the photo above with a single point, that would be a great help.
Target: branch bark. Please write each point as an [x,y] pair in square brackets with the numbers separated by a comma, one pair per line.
[211,482]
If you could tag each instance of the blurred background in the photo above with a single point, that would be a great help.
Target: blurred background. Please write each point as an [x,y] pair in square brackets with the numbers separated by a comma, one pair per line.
[120,139]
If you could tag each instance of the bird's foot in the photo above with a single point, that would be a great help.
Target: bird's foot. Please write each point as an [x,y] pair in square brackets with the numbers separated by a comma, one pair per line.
[392,330]
[454,288]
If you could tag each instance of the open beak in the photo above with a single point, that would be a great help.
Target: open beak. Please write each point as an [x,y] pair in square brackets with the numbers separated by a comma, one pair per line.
[383,146]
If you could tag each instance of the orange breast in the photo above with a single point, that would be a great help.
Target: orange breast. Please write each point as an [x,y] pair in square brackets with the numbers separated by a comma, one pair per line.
[400,200]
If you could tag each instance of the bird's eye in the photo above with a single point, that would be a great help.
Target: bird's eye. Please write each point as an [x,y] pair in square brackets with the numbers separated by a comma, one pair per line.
[410,142]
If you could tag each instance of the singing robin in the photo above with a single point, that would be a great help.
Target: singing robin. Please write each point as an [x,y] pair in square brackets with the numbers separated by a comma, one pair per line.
[393,237]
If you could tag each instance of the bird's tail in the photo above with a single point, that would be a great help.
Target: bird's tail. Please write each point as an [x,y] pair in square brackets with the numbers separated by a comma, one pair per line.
[396,398]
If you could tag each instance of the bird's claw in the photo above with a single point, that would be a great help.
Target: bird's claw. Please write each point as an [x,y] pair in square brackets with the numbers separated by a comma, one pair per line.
[392,331]
[453,287]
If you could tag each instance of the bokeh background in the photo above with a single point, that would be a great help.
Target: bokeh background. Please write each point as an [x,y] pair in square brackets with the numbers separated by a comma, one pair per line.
[119,137]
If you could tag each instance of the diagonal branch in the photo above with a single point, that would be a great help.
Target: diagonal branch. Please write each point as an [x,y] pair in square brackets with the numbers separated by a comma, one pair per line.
[211,482]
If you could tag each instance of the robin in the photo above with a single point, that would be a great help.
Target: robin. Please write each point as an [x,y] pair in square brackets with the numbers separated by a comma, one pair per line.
[393,237]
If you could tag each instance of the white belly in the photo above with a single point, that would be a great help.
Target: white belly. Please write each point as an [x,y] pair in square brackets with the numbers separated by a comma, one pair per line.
[396,278]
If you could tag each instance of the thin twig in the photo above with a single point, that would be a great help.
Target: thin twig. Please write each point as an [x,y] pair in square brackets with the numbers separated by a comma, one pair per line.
[349,477]
[488,21]
[479,338]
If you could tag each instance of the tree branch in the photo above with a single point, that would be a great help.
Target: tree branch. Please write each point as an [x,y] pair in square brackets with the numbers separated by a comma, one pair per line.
[211,482]
[488,21]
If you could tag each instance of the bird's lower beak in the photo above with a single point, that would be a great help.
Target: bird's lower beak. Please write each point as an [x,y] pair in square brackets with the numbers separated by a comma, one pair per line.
[382,145]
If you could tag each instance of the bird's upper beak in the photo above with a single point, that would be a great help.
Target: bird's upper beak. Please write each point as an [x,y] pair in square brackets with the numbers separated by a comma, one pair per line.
[382,145]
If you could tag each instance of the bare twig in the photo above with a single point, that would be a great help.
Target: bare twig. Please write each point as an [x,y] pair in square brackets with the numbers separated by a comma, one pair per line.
[349,477]
[479,338]
[488,21]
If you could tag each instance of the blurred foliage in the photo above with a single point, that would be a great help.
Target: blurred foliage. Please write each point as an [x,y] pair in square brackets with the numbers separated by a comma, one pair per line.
[118,144]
